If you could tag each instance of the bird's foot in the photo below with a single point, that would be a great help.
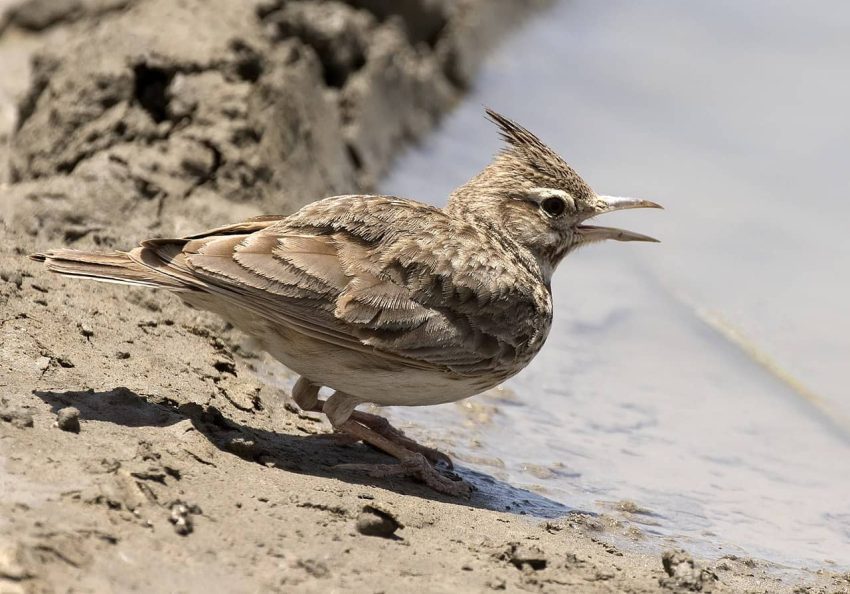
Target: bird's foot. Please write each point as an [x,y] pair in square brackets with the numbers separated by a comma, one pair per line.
[305,393]
[415,460]
[411,463]
[415,465]
[383,427]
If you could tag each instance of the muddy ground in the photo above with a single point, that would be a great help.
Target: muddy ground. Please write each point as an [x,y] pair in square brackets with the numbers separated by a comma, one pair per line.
[144,446]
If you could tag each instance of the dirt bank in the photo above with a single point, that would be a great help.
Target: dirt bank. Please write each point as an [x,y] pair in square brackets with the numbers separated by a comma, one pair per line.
[165,116]
[143,445]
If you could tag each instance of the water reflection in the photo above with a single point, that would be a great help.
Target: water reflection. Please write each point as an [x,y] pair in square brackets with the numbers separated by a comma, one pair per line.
[700,378]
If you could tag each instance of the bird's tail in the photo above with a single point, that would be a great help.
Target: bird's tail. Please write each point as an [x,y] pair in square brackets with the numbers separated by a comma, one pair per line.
[126,268]
[157,263]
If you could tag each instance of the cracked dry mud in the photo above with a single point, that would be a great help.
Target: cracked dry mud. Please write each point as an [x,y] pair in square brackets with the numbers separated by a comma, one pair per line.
[191,471]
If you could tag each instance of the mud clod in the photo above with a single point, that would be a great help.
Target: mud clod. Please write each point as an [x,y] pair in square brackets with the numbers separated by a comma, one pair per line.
[68,419]
[373,521]
[13,277]
[523,556]
[17,417]
[684,574]
[181,517]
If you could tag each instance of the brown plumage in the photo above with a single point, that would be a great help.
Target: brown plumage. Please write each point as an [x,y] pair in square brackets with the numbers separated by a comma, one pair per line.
[383,299]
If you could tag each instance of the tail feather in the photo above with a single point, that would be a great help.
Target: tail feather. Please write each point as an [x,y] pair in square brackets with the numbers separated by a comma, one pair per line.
[114,267]
[158,263]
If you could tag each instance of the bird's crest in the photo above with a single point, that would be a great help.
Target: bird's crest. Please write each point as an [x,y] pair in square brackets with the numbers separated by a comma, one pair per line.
[527,149]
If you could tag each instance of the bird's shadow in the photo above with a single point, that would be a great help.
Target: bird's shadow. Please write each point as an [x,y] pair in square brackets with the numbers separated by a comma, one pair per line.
[317,455]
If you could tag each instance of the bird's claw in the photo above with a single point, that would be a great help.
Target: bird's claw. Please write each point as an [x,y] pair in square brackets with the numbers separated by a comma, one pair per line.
[417,466]
[383,427]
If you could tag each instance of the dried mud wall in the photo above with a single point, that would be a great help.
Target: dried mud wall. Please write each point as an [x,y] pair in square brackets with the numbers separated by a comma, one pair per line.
[159,117]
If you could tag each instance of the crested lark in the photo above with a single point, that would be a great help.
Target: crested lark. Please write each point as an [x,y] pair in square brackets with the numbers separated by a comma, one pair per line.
[387,300]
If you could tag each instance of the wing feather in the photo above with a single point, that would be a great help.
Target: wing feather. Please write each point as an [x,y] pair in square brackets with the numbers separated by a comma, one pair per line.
[363,273]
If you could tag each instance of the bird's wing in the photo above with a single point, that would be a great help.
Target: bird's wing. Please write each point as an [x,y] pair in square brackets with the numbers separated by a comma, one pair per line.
[366,273]
[248,226]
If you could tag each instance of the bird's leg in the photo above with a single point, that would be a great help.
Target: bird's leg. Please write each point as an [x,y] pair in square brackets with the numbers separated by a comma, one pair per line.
[339,408]
[306,396]
[382,426]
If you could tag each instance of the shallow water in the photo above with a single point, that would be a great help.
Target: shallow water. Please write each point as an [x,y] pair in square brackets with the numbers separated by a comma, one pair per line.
[702,378]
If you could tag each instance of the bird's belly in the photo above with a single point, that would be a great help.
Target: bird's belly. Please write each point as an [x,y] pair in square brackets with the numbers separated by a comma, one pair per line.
[370,377]
[366,375]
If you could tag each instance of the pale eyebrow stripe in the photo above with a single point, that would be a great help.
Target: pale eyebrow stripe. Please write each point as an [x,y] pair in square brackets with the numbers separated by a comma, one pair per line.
[546,192]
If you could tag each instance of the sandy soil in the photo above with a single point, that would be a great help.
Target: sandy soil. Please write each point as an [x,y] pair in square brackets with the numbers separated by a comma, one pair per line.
[140,446]
[189,473]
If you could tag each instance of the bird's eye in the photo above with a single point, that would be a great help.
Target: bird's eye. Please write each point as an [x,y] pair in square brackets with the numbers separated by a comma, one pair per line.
[553,206]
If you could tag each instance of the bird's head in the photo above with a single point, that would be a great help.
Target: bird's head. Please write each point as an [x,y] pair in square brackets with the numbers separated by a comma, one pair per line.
[531,194]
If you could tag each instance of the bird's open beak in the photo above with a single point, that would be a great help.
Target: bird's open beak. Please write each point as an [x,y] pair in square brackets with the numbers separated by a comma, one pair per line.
[589,233]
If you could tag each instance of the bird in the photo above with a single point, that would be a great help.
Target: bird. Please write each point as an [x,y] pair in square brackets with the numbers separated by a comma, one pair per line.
[387,300]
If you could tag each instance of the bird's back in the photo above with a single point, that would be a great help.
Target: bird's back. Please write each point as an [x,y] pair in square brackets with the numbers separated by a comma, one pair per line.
[393,275]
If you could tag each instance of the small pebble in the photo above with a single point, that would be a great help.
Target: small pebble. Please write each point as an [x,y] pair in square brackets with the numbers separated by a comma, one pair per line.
[86,330]
[68,419]
[245,448]
[181,518]
[376,522]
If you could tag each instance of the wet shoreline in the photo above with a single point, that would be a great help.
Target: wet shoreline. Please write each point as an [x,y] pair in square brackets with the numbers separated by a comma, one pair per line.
[672,376]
